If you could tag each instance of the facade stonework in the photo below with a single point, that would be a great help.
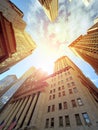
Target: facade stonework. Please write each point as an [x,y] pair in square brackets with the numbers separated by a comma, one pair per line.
[63,100]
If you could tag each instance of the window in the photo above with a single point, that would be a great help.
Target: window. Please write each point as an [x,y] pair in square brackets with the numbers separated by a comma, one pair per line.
[78,120]
[53,96]
[68,84]
[63,87]
[61,81]
[63,93]
[70,91]
[59,88]
[67,121]
[70,78]
[79,102]
[54,90]
[50,97]
[86,118]
[53,107]
[73,103]
[60,106]
[73,84]
[48,109]
[59,94]
[47,123]
[50,91]
[75,90]
[52,122]
[65,105]
[60,121]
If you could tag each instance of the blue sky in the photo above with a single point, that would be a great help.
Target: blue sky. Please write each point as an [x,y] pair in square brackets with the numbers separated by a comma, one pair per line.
[52,38]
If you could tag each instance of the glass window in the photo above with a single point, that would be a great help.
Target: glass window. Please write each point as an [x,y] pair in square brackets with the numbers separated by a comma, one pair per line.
[60,121]
[53,96]
[59,94]
[48,109]
[52,122]
[70,78]
[78,120]
[67,121]
[65,105]
[50,91]
[53,107]
[59,88]
[79,102]
[75,90]
[73,84]
[63,93]
[68,84]
[50,97]
[86,118]
[63,87]
[73,103]
[70,91]
[60,106]
[53,90]
[47,123]
[61,81]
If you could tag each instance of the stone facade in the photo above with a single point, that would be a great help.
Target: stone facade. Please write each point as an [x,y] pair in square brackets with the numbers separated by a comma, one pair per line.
[63,100]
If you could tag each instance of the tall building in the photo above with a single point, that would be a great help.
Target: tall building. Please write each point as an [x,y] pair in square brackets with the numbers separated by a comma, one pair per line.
[15,43]
[63,100]
[6,83]
[86,46]
[51,8]
[10,84]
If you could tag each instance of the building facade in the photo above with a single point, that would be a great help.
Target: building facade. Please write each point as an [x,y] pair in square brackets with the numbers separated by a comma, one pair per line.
[15,43]
[6,83]
[51,8]
[63,100]
[87,46]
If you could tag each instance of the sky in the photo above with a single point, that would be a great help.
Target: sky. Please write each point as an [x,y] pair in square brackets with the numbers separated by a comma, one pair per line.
[53,38]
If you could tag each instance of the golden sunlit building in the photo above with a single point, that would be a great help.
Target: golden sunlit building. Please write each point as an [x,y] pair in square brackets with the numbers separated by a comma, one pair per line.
[51,8]
[15,42]
[86,46]
[63,100]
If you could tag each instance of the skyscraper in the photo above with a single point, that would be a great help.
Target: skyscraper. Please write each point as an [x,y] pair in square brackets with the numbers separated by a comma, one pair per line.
[6,83]
[63,100]
[86,46]
[51,8]
[15,42]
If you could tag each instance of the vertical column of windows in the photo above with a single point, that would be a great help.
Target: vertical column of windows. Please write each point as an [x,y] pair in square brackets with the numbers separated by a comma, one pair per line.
[60,106]
[65,105]
[47,123]
[61,121]
[67,121]
[86,118]
[73,103]
[78,120]
[52,122]
[80,103]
